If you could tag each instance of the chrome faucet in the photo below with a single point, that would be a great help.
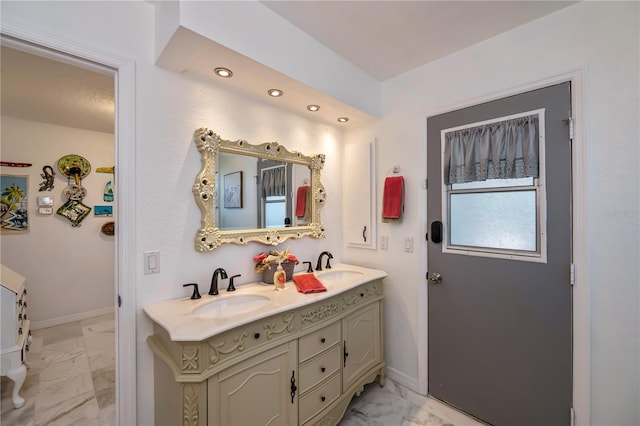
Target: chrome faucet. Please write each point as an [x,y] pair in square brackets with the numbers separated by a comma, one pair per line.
[213,291]
[328,265]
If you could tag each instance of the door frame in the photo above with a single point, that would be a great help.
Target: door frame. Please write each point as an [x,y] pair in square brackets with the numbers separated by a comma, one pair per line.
[581,315]
[124,76]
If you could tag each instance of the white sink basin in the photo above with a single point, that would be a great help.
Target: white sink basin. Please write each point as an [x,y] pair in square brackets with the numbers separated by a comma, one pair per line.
[339,275]
[229,306]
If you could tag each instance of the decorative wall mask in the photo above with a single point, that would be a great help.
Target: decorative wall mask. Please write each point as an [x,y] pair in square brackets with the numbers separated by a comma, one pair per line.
[49,177]
[74,167]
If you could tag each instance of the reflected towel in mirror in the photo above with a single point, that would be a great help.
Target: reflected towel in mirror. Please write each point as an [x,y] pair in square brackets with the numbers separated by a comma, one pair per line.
[301,201]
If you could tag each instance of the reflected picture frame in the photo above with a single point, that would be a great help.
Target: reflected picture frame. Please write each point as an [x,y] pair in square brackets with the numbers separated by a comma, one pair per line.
[233,190]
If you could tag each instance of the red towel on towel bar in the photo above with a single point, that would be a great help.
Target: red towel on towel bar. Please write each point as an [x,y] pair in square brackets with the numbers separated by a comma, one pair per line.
[301,201]
[308,283]
[393,197]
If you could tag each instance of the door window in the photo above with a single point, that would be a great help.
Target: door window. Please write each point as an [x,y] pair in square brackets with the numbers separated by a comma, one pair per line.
[503,218]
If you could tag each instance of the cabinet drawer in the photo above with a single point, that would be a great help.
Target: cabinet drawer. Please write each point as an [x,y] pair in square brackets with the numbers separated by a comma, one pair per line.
[316,400]
[319,369]
[318,341]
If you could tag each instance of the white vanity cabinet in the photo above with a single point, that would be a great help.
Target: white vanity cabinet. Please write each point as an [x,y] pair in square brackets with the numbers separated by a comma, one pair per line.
[256,391]
[301,366]
[16,334]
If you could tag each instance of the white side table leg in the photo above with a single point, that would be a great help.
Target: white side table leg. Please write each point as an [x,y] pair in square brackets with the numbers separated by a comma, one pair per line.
[18,375]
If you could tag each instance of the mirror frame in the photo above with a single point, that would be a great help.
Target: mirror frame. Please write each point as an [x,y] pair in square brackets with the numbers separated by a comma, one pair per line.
[209,236]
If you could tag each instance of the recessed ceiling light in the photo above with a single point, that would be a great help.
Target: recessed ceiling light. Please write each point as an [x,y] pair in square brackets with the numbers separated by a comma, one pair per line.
[313,108]
[343,119]
[275,92]
[223,72]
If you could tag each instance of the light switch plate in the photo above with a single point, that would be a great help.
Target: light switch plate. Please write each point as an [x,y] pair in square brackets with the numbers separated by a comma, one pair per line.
[151,262]
[384,242]
[408,245]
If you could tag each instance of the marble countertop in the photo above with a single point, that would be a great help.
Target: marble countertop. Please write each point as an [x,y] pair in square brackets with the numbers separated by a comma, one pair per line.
[178,318]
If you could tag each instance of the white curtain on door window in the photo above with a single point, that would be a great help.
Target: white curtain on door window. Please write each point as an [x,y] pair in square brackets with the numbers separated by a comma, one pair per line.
[501,150]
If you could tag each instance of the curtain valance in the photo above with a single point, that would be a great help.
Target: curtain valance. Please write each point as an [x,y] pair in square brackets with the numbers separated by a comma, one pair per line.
[274,182]
[500,150]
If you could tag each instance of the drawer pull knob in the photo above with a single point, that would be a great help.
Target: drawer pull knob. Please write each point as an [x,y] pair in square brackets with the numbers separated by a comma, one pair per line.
[257,335]
[322,369]
[322,340]
[322,398]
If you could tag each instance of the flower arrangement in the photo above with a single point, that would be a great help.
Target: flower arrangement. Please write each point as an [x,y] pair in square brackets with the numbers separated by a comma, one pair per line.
[265,260]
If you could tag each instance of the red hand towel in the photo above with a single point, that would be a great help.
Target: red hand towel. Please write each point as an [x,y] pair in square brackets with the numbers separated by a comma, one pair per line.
[392,202]
[308,283]
[301,201]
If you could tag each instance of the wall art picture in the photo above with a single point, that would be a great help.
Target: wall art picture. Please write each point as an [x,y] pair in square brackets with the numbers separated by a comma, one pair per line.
[103,210]
[233,190]
[13,204]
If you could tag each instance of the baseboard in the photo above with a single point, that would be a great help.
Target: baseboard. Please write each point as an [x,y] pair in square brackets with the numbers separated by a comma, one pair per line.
[36,325]
[402,379]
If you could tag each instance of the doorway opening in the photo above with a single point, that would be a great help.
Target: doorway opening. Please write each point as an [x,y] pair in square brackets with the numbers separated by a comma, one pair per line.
[122,300]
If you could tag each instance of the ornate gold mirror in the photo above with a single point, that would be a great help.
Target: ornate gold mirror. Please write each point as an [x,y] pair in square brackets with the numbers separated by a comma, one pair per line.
[268,193]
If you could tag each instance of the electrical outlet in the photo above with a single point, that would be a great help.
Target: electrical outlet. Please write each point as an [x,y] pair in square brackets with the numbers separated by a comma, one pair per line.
[384,242]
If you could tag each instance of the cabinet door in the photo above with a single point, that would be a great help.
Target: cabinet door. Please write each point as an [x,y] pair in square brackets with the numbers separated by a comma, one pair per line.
[361,345]
[257,391]
[360,195]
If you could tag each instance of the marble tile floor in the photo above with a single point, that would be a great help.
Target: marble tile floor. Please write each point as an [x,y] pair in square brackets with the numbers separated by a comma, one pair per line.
[70,377]
[395,405]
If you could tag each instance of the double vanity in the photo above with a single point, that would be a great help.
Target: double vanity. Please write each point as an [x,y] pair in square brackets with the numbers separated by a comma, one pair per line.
[258,356]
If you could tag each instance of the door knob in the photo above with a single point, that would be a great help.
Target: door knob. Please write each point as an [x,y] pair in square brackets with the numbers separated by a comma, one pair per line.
[435,278]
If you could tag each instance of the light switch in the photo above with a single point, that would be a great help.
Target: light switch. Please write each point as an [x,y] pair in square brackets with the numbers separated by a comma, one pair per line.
[151,262]
[384,242]
[408,245]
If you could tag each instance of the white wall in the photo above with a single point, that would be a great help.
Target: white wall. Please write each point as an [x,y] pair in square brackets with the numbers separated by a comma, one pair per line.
[602,38]
[69,270]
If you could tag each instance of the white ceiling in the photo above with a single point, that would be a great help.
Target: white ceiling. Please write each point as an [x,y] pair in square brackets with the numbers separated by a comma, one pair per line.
[382,38]
[389,38]
[41,89]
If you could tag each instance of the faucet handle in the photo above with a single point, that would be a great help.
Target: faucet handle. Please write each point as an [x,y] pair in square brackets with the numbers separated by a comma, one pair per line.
[231,286]
[309,269]
[196,293]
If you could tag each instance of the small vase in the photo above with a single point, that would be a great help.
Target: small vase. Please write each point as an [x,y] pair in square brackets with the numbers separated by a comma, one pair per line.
[267,274]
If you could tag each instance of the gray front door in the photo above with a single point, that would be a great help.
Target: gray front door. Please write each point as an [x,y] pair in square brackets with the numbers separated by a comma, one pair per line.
[500,342]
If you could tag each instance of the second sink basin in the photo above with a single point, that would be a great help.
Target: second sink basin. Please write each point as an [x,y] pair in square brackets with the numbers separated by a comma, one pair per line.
[229,306]
[339,275]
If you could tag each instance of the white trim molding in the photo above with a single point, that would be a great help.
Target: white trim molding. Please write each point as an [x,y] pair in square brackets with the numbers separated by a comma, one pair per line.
[582,287]
[51,45]
[37,325]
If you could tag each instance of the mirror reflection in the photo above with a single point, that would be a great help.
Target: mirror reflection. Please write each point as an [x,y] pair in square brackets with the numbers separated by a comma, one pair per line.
[263,193]
[273,194]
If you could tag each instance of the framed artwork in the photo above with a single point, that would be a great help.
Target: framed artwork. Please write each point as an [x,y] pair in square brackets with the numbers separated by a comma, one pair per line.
[233,190]
[13,204]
